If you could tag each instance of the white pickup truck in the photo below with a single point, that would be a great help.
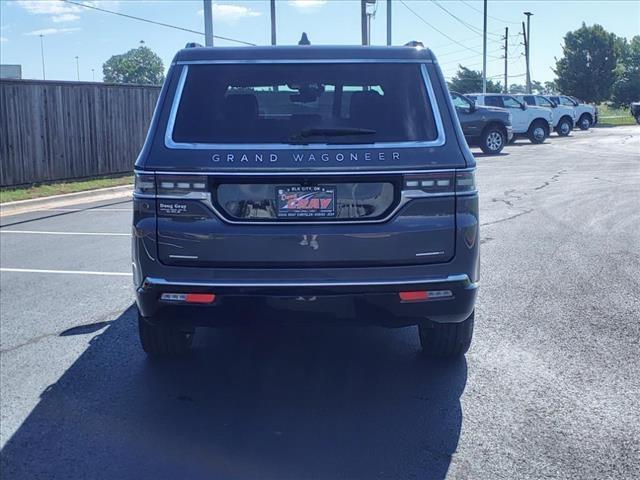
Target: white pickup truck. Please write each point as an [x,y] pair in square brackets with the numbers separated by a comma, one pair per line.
[533,122]
[564,118]
[586,114]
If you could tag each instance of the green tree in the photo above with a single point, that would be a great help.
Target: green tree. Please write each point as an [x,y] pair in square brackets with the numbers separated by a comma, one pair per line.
[626,88]
[536,88]
[550,88]
[587,68]
[139,65]
[470,81]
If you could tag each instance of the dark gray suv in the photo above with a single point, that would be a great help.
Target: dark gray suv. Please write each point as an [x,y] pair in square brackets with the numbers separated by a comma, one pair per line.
[307,180]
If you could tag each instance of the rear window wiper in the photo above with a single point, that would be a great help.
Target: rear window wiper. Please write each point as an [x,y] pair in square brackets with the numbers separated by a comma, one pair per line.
[328,132]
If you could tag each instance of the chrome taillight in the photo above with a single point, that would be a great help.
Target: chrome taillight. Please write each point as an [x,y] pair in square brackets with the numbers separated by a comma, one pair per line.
[144,184]
[439,183]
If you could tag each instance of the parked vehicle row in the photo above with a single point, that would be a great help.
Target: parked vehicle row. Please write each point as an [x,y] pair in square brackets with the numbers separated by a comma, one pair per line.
[587,115]
[491,120]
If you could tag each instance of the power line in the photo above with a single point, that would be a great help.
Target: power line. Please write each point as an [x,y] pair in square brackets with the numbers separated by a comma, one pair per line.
[156,23]
[436,29]
[464,50]
[463,22]
[449,62]
[495,18]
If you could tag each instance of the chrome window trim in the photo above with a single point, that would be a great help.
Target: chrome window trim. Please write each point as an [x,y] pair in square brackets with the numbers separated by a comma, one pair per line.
[459,278]
[171,144]
[301,60]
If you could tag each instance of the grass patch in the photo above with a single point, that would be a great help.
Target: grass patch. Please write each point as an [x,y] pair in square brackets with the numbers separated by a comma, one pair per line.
[611,116]
[46,190]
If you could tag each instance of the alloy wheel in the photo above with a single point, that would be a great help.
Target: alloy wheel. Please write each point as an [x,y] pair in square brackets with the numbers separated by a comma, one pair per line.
[538,133]
[494,141]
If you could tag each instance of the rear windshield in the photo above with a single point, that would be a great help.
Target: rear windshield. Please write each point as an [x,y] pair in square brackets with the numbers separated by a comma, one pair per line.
[304,104]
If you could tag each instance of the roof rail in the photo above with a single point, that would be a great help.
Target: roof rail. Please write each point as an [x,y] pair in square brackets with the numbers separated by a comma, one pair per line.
[414,43]
[193,45]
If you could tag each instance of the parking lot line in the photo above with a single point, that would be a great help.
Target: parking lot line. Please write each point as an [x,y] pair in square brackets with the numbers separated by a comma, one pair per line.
[37,232]
[72,272]
[92,209]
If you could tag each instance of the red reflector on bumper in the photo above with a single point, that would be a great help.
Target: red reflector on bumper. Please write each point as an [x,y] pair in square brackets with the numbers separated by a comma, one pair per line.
[413,296]
[200,298]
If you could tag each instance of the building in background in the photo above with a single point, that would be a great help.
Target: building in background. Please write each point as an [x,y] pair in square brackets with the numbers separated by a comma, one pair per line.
[13,72]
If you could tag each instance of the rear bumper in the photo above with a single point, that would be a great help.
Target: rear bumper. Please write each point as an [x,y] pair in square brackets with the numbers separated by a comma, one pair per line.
[368,302]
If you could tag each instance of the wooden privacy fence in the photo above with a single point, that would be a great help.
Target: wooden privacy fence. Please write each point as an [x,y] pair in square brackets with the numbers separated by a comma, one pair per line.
[52,130]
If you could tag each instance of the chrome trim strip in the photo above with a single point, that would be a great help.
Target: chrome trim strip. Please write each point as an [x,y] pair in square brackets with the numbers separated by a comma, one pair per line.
[305,173]
[404,199]
[429,254]
[301,60]
[171,144]
[460,278]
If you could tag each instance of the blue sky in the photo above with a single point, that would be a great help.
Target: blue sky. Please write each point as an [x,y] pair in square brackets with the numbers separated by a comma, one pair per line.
[71,30]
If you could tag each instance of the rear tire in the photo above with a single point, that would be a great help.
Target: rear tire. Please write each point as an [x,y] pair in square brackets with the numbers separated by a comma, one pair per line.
[585,121]
[446,340]
[492,140]
[564,127]
[160,340]
[538,132]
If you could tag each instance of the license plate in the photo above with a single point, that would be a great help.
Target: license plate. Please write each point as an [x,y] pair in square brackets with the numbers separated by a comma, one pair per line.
[306,202]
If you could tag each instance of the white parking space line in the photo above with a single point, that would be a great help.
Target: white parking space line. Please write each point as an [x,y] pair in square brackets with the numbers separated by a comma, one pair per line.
[38,232]
[72,272]
[92,209]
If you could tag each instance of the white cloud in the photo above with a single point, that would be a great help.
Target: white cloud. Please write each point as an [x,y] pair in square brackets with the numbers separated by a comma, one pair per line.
[60,11]
[230,13]
[52,31]
[65,17]
[49,7]
[307,4]
[3,39]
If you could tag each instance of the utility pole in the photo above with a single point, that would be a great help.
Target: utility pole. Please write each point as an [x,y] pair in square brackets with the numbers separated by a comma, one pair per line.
[527,44]
[78,67]
[42,55]
[93,75]
[363,22]
[208,23]
[273,22]
[484,50]
[506,55]
[388,22]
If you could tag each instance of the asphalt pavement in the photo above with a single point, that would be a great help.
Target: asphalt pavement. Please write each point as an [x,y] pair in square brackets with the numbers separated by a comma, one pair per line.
[549,389]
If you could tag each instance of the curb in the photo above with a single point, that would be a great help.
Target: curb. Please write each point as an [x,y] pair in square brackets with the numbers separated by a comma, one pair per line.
[64,200]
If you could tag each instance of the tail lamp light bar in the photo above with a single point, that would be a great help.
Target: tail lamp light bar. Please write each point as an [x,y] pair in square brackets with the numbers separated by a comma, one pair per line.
[172,186]
[440,183]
